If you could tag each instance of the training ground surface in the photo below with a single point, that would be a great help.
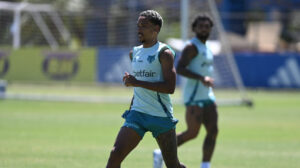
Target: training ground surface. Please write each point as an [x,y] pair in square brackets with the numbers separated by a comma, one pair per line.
[40,134]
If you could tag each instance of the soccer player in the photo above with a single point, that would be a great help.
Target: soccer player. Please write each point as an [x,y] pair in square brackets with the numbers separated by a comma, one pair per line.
[196,64]
[153,79]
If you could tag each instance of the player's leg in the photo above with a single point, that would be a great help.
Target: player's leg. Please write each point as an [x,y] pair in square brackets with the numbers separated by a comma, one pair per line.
[168,146]
[126,141]
[193,117]
[210,121]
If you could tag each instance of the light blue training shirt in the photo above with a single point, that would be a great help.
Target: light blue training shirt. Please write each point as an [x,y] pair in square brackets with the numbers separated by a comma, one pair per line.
[146,67]
[202,64]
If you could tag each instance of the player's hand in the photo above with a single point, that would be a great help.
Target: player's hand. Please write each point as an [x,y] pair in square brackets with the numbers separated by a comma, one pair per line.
[208,81]
[129,80]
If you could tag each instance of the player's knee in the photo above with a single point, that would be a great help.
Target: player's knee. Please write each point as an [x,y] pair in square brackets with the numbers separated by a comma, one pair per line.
[114,158]
[213,132]
[175,165]
[216,130]
[116,154]
[171,164]
[171,161]
[192,133]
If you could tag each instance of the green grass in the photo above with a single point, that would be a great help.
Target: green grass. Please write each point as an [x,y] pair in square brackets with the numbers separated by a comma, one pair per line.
[78,135]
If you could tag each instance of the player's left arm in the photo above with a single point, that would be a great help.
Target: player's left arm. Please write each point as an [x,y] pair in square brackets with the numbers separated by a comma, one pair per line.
[130,55]
[166,59]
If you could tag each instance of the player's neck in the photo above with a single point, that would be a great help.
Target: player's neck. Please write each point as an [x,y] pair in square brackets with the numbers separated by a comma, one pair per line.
[203,40]
[149,44]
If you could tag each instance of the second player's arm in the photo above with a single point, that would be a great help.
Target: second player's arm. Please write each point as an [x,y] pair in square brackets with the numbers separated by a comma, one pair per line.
[169,76]
[189,53]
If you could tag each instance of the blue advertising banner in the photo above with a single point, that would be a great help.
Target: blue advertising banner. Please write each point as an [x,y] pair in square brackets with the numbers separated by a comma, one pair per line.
[112,63]
[271,70]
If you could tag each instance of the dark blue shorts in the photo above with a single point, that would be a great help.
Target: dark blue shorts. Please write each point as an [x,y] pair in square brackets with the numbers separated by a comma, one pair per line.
[142,123]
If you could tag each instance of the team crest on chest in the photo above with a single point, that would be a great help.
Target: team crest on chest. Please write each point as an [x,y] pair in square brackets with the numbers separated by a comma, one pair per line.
[133,59]
[151,58]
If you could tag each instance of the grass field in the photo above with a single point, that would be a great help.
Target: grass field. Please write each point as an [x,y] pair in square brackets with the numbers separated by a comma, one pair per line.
[37,134]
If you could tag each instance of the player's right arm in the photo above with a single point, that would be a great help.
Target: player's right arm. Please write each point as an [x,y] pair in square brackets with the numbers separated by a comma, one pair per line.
[130,57]
[189,53]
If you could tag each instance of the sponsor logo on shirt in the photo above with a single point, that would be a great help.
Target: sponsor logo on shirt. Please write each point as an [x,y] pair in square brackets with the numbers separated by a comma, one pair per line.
[144,73]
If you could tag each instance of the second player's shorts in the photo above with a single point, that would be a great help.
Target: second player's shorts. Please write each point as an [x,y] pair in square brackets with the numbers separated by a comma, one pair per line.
[142,123]
[200,103]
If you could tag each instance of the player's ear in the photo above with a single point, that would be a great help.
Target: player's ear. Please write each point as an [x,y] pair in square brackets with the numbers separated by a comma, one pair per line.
[193,28]
[156,28]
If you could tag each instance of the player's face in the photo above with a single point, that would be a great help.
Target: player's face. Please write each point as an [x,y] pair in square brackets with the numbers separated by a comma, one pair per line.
[146,30]
[202,29]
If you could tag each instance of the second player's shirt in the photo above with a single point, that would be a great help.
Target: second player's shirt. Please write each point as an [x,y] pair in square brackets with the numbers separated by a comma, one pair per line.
[202,64]
[146,67]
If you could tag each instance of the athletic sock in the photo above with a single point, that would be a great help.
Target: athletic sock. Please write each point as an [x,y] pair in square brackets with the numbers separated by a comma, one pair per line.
[157,159]
[205,165]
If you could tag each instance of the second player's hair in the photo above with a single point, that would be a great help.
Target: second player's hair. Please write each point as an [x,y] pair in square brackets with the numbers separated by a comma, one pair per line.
[202,17]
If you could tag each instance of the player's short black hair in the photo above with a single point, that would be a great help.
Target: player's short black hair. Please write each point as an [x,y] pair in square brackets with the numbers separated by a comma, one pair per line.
[202,17]
[153,16]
